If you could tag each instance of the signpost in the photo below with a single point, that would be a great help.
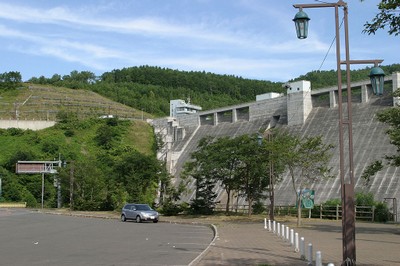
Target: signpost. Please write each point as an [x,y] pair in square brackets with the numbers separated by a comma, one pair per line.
[307,200]
[38,167]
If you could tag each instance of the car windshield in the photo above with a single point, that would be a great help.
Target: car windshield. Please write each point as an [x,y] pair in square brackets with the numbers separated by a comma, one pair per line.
[143,208]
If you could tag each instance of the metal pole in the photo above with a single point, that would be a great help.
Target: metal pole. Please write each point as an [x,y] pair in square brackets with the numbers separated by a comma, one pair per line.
[58,192]
[42,189]
[349,232]
[71,186]
[347,190]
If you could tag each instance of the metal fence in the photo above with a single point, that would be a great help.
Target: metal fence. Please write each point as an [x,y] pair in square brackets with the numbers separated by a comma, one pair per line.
[363,213]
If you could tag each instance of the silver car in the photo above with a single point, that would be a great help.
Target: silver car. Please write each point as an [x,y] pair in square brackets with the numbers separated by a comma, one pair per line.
[139,213]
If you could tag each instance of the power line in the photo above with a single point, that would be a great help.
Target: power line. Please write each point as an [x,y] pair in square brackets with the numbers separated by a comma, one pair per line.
[333,41]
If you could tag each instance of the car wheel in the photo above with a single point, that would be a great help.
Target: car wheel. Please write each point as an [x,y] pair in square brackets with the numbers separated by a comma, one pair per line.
[123,218]
[155,221]
[138,219]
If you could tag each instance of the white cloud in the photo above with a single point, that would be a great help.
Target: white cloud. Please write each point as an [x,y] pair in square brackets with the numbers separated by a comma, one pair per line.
[246,38]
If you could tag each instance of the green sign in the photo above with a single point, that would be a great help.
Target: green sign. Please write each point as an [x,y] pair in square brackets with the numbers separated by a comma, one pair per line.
[307,199]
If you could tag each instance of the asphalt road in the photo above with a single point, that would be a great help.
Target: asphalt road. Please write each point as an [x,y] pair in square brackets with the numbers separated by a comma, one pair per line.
[32,238]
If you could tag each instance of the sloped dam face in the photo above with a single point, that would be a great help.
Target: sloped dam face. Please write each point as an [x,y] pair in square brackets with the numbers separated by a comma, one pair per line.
[370,142]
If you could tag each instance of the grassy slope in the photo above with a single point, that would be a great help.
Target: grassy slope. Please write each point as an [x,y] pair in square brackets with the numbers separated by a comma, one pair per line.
[82,144]
[47,101]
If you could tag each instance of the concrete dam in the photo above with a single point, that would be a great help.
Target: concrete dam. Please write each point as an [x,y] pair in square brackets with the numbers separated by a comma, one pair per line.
[303,112]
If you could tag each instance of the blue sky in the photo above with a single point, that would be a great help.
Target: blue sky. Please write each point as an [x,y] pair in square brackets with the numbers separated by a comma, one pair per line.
[249,38]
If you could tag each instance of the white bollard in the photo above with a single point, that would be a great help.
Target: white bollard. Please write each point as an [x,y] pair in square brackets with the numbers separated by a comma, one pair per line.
[283,231]
[265,223]
[274,226]
[310,254]
[291,237]
[287,233]
[279,229]
[269,225]
[330,264]
[302,249]
[318,258]
[296,242]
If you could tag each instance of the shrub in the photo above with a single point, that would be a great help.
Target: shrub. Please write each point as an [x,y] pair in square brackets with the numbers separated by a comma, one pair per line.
[15,131]
[333,202]
[29,199]
[69,133]
[170,208]
[202,207]
[381,212]
[364,199]
[258,208]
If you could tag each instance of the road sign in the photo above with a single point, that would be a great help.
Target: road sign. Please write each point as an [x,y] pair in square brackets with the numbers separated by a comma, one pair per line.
[37,167]
[307,199]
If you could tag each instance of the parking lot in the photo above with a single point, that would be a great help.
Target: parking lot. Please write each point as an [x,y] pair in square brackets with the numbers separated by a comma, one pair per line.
[33,238]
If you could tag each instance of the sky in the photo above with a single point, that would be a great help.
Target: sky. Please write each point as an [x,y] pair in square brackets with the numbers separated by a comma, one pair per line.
[253,39]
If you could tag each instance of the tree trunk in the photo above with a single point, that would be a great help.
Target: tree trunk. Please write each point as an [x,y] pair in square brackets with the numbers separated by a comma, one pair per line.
[250,208]
[298,210]
[228,201]
[272,200]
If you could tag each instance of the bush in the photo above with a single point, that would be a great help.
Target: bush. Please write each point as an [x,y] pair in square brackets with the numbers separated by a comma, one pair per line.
[333,202]
[69,132]
[258,208]
[29,199]
[381,212]
[201,206]
[364,199]
[170,209]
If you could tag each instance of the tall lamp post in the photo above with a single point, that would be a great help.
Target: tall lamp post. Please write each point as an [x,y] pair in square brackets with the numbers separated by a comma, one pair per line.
[301,20]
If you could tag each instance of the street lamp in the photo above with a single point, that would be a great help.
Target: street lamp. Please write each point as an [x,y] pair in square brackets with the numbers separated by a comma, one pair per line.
[301,21]
[347,184]
[377,79]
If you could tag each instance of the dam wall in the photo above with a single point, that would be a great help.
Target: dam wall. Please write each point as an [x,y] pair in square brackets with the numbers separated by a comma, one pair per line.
[305,113]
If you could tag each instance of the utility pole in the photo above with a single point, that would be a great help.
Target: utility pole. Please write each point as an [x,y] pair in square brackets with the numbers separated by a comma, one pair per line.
[71,186]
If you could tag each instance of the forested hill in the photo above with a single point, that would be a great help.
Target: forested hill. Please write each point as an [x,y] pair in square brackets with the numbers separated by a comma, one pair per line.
[150,88]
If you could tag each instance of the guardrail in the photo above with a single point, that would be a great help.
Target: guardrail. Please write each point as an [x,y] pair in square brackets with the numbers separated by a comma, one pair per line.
[12,204]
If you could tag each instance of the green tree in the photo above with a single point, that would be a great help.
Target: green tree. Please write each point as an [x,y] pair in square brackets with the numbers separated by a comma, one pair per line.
[391,117]
[10,80]
[238,164]
[388,17]
[204,198]
[139,174]
[252,171]
[198,168]
[89,185]
[306,160]
[222,163]
[276,167]
[106,136]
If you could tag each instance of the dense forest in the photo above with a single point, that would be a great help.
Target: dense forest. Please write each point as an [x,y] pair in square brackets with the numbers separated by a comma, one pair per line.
[150,88]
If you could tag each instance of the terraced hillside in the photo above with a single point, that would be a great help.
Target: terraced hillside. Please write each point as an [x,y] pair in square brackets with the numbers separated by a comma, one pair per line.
[34,102]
